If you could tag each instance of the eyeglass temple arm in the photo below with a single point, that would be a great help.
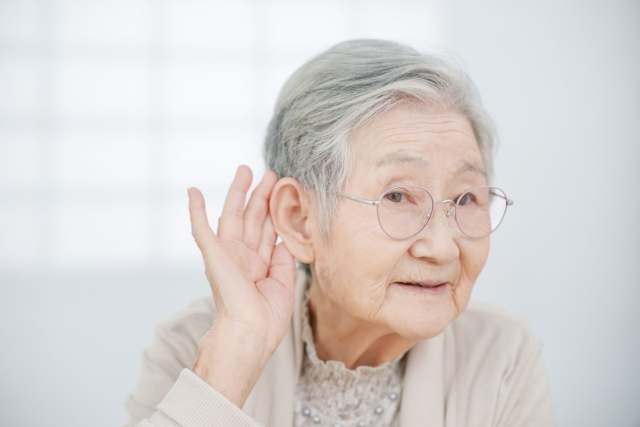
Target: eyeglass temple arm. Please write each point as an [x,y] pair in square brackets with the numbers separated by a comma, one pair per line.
[509,201]
[357,199]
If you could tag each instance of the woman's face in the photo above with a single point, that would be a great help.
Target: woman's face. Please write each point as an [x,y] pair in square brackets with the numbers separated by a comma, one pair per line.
[366,272]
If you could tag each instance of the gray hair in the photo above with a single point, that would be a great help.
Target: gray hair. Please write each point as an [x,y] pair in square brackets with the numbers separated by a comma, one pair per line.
[331,96]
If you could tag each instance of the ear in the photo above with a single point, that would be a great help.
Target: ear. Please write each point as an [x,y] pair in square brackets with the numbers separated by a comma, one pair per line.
[289,207]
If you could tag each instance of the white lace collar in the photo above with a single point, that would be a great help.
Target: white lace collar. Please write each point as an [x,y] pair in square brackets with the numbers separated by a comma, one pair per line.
[339,396]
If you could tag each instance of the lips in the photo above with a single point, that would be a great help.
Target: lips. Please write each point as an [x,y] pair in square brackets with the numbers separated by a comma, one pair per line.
[424,284]
[423,288]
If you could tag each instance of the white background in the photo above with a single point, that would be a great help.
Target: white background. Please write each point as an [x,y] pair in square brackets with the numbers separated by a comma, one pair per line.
[110,109]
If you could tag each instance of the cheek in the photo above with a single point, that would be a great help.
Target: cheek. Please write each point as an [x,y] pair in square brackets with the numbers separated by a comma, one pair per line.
[473,256]
[354,267]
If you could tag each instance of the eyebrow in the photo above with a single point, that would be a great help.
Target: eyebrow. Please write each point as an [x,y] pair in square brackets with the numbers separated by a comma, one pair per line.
[399,158]
[470,167]
[417,162]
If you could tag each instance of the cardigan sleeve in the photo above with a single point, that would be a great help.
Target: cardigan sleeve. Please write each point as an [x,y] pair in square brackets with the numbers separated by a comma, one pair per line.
[191,402]
[168,393]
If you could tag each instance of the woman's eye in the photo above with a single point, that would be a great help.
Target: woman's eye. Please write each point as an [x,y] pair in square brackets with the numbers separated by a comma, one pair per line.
[395,197]
[466,199]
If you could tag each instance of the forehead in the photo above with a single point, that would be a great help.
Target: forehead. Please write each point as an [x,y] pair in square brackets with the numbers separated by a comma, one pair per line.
[410,136]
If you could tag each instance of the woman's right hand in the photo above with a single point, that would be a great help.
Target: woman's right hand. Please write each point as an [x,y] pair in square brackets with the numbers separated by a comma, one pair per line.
[252,282]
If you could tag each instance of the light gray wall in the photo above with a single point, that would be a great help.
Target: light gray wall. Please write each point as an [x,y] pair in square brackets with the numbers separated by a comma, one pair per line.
[110,109]
[563,81]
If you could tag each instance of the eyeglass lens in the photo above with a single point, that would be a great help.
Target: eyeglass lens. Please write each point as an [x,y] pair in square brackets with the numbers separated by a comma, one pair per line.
[404,211]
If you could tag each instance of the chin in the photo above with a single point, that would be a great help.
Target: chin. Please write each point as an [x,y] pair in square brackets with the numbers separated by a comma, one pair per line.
[419,317]
[422,327]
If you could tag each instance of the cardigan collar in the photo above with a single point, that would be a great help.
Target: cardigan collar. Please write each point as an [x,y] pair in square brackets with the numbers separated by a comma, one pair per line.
[271,401]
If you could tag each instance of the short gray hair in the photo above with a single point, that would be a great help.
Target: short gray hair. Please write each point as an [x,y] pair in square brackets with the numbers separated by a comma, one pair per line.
[327,99]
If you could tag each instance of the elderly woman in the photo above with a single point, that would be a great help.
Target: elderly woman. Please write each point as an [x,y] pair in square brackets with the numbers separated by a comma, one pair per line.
[380,163]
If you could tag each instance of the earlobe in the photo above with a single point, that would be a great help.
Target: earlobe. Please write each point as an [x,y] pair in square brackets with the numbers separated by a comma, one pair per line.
[289,207]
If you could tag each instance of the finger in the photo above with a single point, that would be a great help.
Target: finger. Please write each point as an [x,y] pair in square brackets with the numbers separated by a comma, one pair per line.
[257,209]
[268,241]
[200,229]
[283,266]
[230,225]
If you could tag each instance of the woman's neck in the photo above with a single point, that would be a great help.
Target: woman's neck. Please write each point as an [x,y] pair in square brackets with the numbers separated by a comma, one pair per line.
[355,342]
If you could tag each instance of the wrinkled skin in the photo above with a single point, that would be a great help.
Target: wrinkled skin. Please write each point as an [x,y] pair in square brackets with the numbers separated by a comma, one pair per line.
[359,315]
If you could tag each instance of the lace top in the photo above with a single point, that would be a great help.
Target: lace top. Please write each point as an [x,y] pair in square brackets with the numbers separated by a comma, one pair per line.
[329,394]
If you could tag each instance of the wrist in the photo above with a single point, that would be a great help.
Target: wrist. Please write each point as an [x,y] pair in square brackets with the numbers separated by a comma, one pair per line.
[231,358]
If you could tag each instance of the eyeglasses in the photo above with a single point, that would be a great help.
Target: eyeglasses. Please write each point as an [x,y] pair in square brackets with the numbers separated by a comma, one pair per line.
[405,211]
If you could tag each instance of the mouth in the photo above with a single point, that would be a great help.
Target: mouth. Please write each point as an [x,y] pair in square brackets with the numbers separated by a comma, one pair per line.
[424,287]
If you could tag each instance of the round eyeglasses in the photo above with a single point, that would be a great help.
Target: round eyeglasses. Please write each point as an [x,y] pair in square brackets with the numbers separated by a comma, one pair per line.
[405,211]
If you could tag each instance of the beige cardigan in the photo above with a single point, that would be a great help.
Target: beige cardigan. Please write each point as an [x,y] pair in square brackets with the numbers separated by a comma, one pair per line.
[484,370]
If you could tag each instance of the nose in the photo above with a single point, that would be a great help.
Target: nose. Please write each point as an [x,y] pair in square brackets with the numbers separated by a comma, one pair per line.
[437,240]
[449,210]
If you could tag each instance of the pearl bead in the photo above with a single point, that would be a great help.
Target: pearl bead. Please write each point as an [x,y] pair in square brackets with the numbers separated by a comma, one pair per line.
[379,410]
[337,425]
[315,419]
[361,423]
[306,412]
[393,396]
